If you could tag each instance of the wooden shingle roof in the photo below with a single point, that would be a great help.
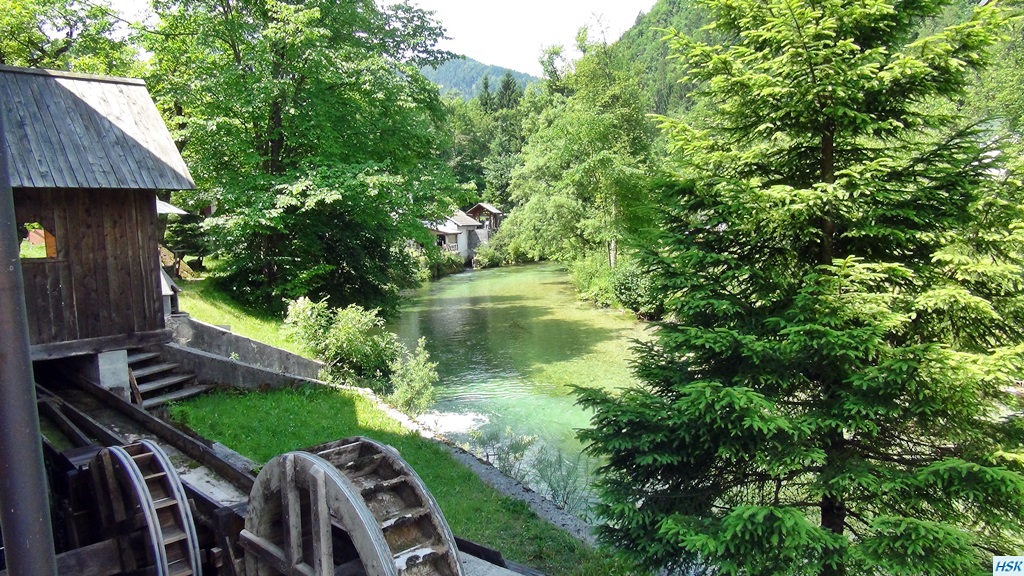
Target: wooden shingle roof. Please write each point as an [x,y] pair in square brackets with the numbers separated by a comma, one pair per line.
[77,131]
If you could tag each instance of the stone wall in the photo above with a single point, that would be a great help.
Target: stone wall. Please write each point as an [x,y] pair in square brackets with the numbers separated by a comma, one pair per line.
[223,371]
[208,338]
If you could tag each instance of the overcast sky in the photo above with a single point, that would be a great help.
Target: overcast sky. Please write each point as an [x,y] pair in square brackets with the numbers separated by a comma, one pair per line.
[512,33]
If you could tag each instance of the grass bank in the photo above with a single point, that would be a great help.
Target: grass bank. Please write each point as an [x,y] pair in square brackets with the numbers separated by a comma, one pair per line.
[204,302]
[262,425]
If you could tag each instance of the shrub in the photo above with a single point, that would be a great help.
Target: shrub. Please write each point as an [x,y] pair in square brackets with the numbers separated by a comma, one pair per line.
[435,263]
[564,480]
[450,263]
[308,323]
[486,257]
[351,341]
[413,378]
[634,289]
[592,278]
[506,451]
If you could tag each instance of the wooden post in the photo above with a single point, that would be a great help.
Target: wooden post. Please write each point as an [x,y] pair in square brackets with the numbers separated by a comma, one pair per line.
[24,505]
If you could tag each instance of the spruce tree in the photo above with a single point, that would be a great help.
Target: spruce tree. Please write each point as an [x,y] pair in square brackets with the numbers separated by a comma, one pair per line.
[486,97]
[508,95]
[841,261]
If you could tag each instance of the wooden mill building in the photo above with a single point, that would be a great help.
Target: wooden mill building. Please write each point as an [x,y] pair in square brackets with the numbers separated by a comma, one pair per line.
[87,156]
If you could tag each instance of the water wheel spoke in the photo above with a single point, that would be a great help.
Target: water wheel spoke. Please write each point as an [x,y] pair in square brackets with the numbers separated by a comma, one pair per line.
[323,548]
[291,510]
[142,494]
[354,489]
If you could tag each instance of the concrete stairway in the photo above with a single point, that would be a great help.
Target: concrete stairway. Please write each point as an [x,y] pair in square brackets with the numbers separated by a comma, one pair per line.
[160,382]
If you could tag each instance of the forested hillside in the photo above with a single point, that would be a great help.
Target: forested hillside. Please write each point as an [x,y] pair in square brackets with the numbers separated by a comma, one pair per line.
[464,76]
[644,44]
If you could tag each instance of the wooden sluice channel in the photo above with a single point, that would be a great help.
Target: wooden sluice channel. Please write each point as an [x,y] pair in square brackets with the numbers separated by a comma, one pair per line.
[132,494]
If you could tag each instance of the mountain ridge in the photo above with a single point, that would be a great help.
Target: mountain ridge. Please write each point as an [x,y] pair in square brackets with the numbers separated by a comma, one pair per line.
[464,76]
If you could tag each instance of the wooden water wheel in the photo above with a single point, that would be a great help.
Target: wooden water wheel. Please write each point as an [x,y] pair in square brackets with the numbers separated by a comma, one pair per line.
[354,508]
[144,507]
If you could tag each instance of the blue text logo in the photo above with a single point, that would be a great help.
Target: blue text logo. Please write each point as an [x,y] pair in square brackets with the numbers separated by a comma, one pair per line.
[1008,565]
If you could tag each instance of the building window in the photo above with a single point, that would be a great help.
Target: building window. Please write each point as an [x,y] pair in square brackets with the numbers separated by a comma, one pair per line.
[37,242]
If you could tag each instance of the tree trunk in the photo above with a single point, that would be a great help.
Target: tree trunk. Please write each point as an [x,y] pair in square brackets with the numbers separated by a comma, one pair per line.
[833,508]
[613,245]
[275,123]
[828,176]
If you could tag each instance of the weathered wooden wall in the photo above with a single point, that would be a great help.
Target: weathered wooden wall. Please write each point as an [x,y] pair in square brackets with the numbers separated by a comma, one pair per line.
[105,278]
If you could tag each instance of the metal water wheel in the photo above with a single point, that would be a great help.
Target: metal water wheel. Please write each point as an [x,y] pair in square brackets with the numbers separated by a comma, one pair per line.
[144,507]
[356,508]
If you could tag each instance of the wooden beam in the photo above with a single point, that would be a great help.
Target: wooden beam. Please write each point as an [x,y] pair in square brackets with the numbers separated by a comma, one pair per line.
[206,455]
[99,559]
[66,426]
[96,345]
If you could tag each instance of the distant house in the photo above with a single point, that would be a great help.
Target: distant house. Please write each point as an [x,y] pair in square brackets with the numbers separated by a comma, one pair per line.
[87,155]
[446,234]
[487,214]
[457,233]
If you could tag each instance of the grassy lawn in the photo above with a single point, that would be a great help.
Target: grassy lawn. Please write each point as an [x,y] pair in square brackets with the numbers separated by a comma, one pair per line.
[263,425]
[205,303]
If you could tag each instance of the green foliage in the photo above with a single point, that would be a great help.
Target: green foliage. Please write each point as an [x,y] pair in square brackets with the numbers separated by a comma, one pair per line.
[321,235]
[438,263]
[351,341]
[564,480]
[503,154]
[66,35]
[664,86]
[486,98]
[184,236]
[840,258]
[509,93]
[486,257]
[413,379]
[592,278]
[505,450]
[312,131]
[998,94]
[470,142]
[582,172]
[635,289]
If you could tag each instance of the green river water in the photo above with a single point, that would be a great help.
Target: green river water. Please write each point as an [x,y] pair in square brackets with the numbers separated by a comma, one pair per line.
[509,343]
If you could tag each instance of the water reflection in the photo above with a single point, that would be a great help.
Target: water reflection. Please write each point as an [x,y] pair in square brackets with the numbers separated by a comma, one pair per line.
[509,343]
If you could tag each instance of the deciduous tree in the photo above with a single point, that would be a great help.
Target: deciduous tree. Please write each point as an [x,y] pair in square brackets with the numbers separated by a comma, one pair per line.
[310,127]
[65,35]
[842,266]
[588,154]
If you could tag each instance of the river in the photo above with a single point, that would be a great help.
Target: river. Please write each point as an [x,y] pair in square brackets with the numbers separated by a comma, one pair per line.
[509,343]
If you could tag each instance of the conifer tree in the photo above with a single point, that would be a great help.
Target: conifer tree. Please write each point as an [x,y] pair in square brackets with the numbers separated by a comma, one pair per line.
[486,97]
[508,93]
[841,262]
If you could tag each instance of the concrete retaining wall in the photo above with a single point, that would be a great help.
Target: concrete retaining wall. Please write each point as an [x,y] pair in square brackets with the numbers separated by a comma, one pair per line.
[222,371]
[208,338]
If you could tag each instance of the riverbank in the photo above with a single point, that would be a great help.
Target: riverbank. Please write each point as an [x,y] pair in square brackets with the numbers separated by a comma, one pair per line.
[479,503]
[510,345]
